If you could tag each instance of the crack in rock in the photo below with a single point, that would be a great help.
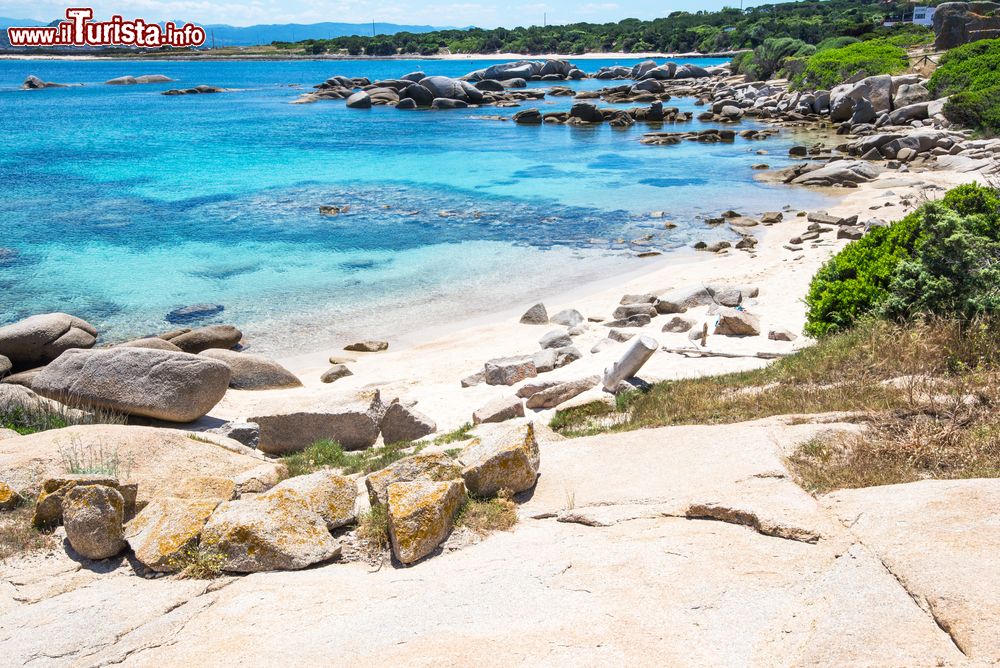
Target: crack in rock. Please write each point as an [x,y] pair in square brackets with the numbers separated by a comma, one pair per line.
[748,518]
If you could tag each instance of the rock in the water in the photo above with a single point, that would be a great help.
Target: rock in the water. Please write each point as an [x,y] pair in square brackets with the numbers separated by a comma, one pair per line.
[205,338]
[421,514]
[567,318]
[186,314]
[276,532]
[499,410]
[734,322]
[509,370]
[536,315]
[359,100]
[528,117]
[38,340]
[166,528]
[504,458]
[253,372]
[336,372]
[368,346]
[355,426]
[561,393]
[175,387]
[93,517]
[327,493]
[427,466]
[402,424]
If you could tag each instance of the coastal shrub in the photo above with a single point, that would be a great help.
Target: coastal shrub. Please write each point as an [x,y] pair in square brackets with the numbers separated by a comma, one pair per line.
[942,259]
[197,562]
[968,68]
[836,43]
[856,281]
[769,58]
[979,110]
[829,68]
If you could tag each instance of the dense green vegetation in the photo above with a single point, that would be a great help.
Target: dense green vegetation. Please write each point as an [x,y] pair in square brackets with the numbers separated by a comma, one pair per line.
[970,74]
[830,67]
[729,29]
[943,259]
[770,58]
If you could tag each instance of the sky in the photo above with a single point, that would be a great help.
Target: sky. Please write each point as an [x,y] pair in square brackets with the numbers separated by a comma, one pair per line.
[482,13]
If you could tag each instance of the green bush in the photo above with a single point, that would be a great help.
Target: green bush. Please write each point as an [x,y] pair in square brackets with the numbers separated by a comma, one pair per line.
[826,69]
[942,259]
[769,58]
[856,281]
[969,68]
[835,43]
[979,110]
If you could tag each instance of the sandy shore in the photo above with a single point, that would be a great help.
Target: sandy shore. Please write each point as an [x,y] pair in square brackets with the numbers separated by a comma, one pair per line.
[427,366]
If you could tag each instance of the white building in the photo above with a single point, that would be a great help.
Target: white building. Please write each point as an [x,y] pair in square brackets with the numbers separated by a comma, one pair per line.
[924,16]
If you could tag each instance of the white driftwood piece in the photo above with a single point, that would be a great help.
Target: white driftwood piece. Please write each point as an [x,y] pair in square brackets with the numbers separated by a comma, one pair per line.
[637,354]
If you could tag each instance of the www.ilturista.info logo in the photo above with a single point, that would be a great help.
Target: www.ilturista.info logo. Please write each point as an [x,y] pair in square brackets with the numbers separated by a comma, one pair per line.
[80,30]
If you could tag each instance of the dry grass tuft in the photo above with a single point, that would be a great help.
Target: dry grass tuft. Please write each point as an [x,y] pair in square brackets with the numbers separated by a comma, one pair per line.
[373,531]
[18,534]
[485,516]
[197,563]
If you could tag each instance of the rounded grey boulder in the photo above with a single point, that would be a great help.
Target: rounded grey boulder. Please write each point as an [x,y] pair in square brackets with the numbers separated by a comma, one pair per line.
[204,338]
[253,372]
[40,339]
[159,384]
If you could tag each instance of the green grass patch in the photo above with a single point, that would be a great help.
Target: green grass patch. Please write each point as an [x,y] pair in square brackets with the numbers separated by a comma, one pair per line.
[463,433]
[330,455]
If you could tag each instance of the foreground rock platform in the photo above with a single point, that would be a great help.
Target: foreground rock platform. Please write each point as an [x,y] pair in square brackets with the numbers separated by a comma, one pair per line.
[673,546]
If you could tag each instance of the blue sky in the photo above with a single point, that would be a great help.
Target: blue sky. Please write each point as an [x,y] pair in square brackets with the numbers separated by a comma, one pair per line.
[484,13]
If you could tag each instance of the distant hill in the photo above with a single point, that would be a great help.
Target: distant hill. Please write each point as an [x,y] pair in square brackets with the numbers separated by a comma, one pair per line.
[226,35]
[17,23]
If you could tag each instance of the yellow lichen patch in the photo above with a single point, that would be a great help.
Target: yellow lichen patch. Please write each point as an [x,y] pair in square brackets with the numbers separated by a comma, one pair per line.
[421,514]
[331,495]
[206,487]
[504,459]
[166,527]
[9,499]
[433,467]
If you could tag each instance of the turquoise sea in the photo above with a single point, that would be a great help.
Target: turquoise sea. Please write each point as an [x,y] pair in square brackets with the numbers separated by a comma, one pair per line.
[119,204]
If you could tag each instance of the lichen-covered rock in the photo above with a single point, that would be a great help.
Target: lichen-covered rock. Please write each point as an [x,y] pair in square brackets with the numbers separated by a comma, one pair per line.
[9,498]
[403,424]
[93,516]
[421,515]
[159,384]
[503,458]
[327,493]
[278,533]
[49,506]
[38,340]
[205,487]
[167,527]
[428,466]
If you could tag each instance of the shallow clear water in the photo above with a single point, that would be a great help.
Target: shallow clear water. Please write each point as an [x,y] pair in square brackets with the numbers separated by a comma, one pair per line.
[119,204]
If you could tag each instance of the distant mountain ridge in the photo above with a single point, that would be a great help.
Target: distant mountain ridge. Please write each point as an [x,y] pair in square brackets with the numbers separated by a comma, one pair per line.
[227,35]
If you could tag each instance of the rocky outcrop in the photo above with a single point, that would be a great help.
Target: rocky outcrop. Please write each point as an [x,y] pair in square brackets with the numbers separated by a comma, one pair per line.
[421,514]
[355,426]
[957,23]
[34,83]
[143,79]
[275,532]
[368,347]
[175,387]
[253,372]
[197,90]
[38,340]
